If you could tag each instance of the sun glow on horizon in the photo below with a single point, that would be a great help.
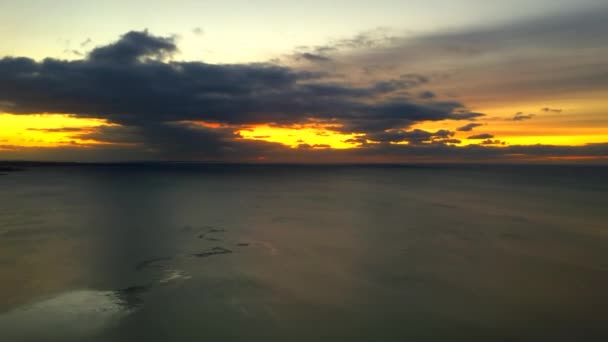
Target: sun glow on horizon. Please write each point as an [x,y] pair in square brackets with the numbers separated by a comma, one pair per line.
[47,130]
[313,135]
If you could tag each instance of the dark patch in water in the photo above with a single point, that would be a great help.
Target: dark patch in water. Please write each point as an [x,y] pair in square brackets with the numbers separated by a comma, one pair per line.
[212,239]
[212,251]
[210,230]
[243,244]
[131,295]
[133,290]
[150,262]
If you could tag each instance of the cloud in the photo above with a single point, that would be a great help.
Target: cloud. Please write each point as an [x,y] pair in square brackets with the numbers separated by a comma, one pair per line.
[403,82]
[134,46]
[114,135]
[426,95]
[531,58]
[312,57]
[375,38]
[492,142]
[58,130]
[481,136]
[468,127]
[521,116]
[416,136]
[73,52]
[553,110]
[86,42]
[182,141]
[313,147]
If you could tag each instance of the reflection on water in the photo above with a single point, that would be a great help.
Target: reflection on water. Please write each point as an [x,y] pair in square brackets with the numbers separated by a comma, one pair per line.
[71,315]
[245,253]
[172,275]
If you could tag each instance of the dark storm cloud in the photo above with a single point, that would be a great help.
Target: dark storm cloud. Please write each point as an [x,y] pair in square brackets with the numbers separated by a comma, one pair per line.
[481,136]
[402,113]
[192,142]
[177,139]
[165,137]
[131,83]
[521,116]
[114,134]
[468,127]
[113,84]
[183,141]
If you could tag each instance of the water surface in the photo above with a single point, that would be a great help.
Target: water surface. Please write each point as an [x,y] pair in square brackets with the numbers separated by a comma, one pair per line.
[303,253]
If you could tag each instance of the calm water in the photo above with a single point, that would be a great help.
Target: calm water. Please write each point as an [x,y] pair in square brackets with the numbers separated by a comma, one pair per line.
[245,253]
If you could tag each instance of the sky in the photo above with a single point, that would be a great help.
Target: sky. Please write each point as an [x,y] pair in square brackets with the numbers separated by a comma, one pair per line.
[315,81]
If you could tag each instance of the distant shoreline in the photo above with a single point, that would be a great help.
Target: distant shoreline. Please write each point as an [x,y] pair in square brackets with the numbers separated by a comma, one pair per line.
[21,165]
[5,169]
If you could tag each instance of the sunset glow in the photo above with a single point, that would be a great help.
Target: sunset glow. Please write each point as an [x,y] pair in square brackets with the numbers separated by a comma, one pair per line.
[46,130]
[316,136]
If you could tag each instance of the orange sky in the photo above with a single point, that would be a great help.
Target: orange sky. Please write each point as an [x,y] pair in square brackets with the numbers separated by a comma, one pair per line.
[42,130]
